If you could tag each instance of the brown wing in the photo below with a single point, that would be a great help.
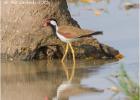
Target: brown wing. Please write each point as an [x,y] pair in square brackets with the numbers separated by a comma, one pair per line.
[73,32]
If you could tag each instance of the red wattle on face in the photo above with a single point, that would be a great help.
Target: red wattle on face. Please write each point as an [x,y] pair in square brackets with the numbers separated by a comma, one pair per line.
[45,24]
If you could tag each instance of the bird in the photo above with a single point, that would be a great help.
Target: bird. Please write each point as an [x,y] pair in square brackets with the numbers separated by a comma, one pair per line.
[70,88]
[68,34]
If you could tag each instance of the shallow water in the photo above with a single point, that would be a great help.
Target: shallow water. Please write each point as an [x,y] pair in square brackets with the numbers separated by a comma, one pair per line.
[41,80]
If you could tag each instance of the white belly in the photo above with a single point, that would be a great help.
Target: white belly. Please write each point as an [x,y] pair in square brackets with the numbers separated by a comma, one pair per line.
[62,38]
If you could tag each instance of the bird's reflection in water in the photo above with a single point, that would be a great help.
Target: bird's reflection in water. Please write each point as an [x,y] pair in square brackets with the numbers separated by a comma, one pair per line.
[69,88]
[69,75]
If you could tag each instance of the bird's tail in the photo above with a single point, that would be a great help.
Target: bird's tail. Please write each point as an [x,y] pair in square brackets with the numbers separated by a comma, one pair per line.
[89,35]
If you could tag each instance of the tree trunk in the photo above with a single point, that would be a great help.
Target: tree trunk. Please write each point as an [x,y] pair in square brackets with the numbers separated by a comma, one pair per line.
[22,36]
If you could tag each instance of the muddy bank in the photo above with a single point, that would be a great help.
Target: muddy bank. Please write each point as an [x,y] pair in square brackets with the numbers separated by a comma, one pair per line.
[24,39]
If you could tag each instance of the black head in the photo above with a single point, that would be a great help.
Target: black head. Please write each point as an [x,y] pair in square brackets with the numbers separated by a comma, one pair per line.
[53,19]
[50,21]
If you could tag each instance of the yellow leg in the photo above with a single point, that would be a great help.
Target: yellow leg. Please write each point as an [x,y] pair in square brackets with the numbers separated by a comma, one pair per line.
[73,55]
[73,72]
[66,50]
[69,75]
[66,70]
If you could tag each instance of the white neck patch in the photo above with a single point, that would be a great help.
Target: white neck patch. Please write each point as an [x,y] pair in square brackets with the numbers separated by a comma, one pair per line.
[53,23]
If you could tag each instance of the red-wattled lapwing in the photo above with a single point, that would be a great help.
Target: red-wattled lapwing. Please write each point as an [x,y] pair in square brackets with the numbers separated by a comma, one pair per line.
[68,34]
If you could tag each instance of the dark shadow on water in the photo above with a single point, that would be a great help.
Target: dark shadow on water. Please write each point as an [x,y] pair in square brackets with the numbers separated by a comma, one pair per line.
[42,79]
